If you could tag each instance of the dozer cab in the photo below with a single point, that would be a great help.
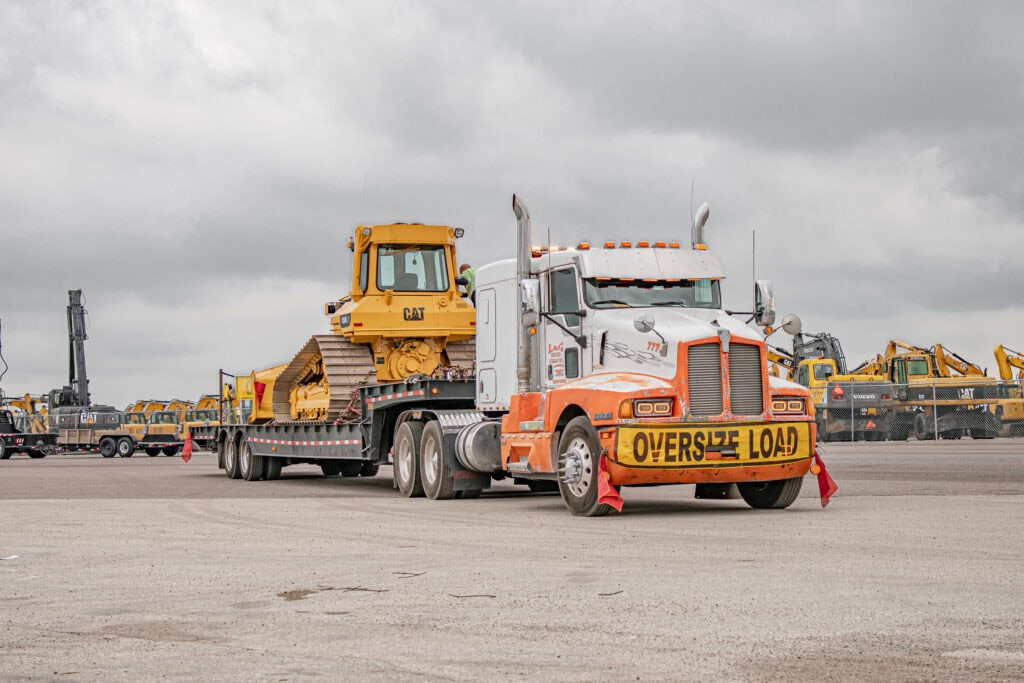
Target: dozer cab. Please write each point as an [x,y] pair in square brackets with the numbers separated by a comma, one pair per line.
[403,317]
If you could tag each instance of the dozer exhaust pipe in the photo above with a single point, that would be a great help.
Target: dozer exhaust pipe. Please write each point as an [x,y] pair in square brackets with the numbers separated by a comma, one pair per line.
[522,275]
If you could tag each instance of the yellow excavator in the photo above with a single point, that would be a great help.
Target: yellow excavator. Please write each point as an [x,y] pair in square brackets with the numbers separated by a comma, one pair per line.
[403,317]
[1007,360]
[32,415]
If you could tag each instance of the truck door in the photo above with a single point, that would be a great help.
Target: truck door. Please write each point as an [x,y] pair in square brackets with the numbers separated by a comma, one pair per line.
[563,358]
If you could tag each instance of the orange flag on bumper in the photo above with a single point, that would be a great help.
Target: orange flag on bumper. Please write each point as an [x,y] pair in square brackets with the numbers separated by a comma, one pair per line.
[606,493]
[826,485]
[186,452]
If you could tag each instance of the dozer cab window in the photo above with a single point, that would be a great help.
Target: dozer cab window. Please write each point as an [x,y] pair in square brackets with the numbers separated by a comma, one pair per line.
[411,268]
[823,371]
[611,292]
[917,367]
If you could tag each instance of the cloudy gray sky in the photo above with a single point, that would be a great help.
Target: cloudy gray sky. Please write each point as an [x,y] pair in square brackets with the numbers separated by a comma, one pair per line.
[196,167]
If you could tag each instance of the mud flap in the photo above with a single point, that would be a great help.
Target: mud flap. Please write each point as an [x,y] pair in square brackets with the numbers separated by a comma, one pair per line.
[606,493]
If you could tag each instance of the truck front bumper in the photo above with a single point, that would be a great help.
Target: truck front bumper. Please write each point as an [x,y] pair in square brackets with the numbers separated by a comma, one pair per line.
[696,453]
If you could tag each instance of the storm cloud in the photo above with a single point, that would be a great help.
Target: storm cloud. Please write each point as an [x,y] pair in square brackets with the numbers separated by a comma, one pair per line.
[196,167]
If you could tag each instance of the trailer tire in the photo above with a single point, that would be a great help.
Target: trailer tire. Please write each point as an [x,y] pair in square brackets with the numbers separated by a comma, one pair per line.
[351,468]
[125,447]
[983,434]
[369,469]
[469,493]
[438,482]
[578,452]
[171,450]
[152,452]
[36,453]
[231,458]
[272,469]
[331,468]
[771,495]
[250,466]
[108,447]
[4,455]
[407,459]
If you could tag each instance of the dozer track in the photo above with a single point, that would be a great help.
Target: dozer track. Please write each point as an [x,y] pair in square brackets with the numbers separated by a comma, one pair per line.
[347,367]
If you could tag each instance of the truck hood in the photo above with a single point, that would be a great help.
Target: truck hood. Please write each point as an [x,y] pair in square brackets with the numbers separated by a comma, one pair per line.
[625,348]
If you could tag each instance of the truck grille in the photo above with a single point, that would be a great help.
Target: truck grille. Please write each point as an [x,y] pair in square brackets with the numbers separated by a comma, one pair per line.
[745,391]
[704,379]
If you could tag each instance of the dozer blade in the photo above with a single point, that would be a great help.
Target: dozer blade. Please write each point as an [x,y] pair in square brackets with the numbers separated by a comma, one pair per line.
[346,367]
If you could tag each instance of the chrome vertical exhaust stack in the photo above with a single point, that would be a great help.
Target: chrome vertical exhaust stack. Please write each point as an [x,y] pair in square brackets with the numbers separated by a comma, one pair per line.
[697,229]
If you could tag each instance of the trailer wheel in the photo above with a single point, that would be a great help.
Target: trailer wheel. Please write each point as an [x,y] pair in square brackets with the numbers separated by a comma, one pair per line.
[230,458]
[351,468]
[407,459]
[4,455]
[369,469]
[272,467]
[171,450]
[125,447]
[578,453]
[331,468]
[250,467]
[152,452]
[771,495]
[35,453]
[983,434]
[108,447]
[438,483]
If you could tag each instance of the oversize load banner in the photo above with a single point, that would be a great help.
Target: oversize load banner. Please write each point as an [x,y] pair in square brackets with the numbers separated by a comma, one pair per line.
[713,445]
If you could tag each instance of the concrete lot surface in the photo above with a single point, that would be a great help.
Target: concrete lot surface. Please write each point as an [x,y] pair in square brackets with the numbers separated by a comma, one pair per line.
[149,568]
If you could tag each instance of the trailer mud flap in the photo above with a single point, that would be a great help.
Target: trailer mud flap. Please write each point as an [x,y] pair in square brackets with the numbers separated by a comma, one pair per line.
[712,445]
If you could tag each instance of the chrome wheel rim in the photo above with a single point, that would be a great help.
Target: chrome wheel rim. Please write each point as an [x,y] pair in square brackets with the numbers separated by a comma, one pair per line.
[431,460]
[578,468]
[402,456]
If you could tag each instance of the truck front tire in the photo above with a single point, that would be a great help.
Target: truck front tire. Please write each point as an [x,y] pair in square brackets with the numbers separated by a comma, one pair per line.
[771,495]
[407,459]
[578,452]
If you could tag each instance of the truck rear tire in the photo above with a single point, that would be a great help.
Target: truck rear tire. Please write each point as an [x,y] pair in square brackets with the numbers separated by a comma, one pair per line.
[152,452]
[231,458]
[771,495]
[331,468]
[438,483]
[125,447]
[578,453]
[171,450]
[250,466]
[369,469]
[407,459]
[108,447]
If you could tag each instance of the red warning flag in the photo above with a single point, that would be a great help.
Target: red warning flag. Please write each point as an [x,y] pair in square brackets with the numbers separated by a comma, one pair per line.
[827,487]
[606,493]
[258,388]
[186,452]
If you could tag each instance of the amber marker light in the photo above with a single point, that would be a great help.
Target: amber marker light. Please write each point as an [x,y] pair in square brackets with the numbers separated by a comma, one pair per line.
[609,245]
[643,245]
[583,246]
[626,410]
[533,331]
[660,245]
[700,247]
[815,469]
[673,245]
[625,245]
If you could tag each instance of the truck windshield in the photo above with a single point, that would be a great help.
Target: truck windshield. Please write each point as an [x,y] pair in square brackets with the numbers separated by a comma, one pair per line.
[411,268]
[610,293]
[135,419]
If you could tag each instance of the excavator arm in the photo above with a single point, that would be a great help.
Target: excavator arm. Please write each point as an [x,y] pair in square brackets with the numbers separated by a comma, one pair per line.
[1006,360]
[948,362]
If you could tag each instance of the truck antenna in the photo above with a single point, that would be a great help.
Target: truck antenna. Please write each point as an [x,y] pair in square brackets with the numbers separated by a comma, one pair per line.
[6,367]
[692,182]
[753,259]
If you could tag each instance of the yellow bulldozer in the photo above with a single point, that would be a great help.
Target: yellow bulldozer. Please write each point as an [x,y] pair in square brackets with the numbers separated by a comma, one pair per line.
[404,316]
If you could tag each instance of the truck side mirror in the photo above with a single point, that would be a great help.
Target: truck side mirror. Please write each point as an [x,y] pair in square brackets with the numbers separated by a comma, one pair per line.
[764,303]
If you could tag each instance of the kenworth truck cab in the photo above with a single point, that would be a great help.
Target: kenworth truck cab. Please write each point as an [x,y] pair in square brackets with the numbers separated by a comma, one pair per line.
[618,361]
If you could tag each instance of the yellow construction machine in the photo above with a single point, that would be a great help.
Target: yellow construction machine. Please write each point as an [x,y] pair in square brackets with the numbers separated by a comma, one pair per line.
[404,317]
[937,392]
[1007,360]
